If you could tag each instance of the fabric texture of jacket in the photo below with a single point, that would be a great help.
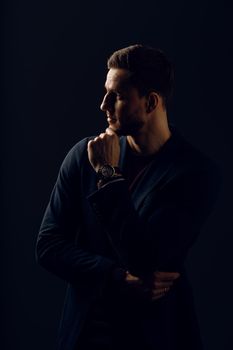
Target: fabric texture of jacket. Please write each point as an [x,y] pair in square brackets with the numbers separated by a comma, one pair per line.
[87,232]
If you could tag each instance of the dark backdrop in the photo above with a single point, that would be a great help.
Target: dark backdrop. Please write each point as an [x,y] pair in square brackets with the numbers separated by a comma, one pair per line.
[53,68]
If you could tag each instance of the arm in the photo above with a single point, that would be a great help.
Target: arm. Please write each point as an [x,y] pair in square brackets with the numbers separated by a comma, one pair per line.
[161,236]
[56,247]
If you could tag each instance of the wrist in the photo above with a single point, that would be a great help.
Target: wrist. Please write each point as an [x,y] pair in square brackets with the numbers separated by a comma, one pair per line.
[107,172]
[102,183]
[118,275]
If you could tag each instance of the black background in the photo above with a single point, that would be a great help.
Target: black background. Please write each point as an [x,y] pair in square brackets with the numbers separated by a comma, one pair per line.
[53,68]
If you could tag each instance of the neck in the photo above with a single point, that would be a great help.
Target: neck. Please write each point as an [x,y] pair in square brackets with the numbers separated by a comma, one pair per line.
[151,138]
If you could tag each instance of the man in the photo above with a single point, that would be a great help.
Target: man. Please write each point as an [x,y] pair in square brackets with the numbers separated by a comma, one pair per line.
[127,206]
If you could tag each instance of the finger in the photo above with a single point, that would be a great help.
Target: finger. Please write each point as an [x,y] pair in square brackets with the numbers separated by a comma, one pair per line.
[134,280]
[90,144]
[134,284]
[166,276]
[159,292]
[102,135]
[130,277]
[162,285]
[157,297]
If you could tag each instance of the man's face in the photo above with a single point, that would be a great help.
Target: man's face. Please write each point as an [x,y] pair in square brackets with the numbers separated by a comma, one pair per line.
[125,109]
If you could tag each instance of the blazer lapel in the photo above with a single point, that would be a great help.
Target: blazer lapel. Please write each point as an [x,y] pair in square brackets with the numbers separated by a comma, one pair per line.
[123,154]
[159,167]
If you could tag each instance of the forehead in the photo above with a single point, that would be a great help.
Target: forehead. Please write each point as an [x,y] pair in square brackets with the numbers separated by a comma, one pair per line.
[117,79]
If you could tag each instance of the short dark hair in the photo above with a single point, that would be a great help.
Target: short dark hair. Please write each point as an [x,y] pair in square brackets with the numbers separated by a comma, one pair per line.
[151,69]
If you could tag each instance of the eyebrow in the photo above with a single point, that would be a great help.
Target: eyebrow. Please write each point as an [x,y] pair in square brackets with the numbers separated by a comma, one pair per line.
[120,90]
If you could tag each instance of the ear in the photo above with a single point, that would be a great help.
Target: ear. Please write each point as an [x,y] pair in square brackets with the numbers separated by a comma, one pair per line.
[152,102]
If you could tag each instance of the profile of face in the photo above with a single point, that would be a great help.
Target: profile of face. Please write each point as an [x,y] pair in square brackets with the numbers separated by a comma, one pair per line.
[124,107]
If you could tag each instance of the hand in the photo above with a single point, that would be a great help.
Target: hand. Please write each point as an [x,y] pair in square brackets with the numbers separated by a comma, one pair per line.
[104,149]
[154,287]
[160,283]
[135,286]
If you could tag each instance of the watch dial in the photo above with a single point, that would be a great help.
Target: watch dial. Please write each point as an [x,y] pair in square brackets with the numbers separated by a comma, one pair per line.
[107,171]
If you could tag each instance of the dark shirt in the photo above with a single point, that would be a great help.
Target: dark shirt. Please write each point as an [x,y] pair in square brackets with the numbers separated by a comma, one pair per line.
[99,329]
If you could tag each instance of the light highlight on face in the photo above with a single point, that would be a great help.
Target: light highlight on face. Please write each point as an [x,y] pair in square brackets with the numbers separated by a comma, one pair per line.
[124,108]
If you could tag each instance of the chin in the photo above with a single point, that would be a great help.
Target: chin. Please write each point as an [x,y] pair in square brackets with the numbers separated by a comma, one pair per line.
[116,130]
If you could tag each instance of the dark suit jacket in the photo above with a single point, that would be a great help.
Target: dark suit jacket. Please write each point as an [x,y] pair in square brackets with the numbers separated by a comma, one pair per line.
[86,232]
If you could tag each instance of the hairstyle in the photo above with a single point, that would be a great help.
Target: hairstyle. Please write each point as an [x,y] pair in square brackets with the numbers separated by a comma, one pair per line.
[151,70]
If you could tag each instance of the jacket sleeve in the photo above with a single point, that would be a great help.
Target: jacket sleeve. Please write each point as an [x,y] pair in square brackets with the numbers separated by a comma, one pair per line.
[160,236]
[57,249]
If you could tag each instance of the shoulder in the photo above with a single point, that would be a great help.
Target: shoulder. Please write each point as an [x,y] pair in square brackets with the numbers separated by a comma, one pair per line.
[197,171]
[193,160]
[78,152]
[76,157]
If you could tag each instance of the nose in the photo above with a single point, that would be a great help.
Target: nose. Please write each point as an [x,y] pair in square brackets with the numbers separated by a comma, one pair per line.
[107,104]
[103,104]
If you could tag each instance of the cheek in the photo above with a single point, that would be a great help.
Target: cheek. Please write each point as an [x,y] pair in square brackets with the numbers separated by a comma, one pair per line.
[136,112]
[129,110]
[122,108]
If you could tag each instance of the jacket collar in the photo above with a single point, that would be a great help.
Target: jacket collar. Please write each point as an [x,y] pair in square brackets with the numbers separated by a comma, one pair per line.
[157,169]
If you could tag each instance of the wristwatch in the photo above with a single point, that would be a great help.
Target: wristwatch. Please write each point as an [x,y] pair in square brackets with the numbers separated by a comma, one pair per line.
[108,172]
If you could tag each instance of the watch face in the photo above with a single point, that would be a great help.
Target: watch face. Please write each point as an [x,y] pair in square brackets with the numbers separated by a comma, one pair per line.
[107,171]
